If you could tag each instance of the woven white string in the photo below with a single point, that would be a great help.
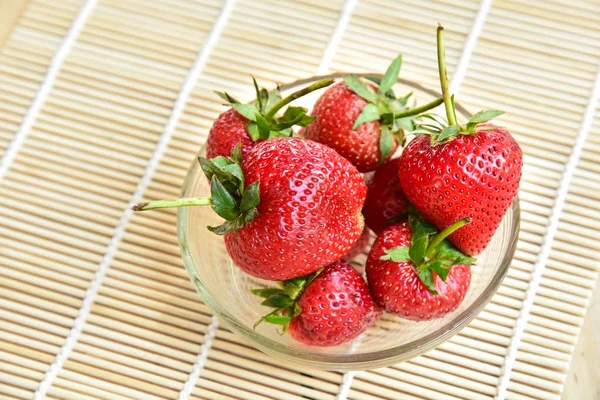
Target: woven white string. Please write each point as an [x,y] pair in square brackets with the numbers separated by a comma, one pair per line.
[457,80]
[540,265]
[40,98]
[348,377]
[202,357]
[92,291]
[336,38]
[461,70]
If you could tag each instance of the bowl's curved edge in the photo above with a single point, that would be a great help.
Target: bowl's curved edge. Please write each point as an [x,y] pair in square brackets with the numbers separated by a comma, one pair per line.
[345,362]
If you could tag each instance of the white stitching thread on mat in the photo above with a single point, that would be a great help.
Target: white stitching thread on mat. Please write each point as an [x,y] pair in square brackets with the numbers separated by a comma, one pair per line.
[540,265]
[457,80]
[336,37]
[345,386]
[42,94]
[332,46]
[465,59]
[348,377]
[92,291]
[202,357]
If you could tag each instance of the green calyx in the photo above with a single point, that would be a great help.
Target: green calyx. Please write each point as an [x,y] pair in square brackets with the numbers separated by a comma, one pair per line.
[230,198]
[395,114]
[430,251]
[262,112]
[284,300]
[442,130]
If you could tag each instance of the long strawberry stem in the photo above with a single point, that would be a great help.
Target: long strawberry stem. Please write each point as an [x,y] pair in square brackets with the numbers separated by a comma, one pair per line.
[296,95]
[443,235]
[182,202]
[420,109]
[448,103]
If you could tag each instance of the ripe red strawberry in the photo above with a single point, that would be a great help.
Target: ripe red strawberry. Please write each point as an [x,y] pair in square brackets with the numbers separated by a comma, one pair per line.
[228,130]
[292,206]
[413,278]
[385,201]
[361,124]
[249,123]
[360,246]
[323,309]
[455,171]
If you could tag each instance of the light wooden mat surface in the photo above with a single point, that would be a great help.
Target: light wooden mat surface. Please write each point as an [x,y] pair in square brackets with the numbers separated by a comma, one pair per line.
[105,102]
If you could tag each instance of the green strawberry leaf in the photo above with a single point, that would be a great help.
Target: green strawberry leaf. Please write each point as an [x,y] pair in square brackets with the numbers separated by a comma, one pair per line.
[481,117]
[263,126]
[439,270]
[223,202]
[446,252]
[220,161]
[419,239]
[485,116]
[281,133]
[258,96]
[404,100]
[464,260]
[250,197]
[208,167]
[283,320]
[249,216]
[236,171]
[266,293]
[279,300]
[225,96]
[222,229]
[274,97]
[360,88]
[397,254]
[418,245]
[375,79]
[215,168]
[369,113]
[264,99]
[294,116]
[428,280]
[252,129]
[403,123]
[448,132]
[236,153]
[391,75]
[247,110]
[386,143]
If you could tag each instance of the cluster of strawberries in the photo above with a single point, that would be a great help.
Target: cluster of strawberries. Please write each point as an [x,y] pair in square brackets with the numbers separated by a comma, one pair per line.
[293,203]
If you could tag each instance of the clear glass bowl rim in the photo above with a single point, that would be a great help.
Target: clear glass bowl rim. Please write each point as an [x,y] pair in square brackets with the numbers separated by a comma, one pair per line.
[346,362]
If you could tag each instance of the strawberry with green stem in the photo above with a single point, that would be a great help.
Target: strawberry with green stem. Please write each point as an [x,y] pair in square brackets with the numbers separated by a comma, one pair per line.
[252,122]
[452,171]
[385,203]
[290,206]
[363,122]
[326,308]
[414,272]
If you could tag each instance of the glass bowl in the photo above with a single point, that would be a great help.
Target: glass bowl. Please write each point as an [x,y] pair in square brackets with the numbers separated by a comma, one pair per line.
[226,289]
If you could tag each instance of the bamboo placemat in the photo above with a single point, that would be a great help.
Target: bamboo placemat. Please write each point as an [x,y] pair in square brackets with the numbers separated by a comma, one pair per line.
[104,103]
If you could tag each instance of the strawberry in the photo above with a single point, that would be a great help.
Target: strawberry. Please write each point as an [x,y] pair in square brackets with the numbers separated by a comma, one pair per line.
[326,308]
[362,122]
[291,206]
[416,278]
[360,246]
[385,201]
[249,123]
[452,171]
